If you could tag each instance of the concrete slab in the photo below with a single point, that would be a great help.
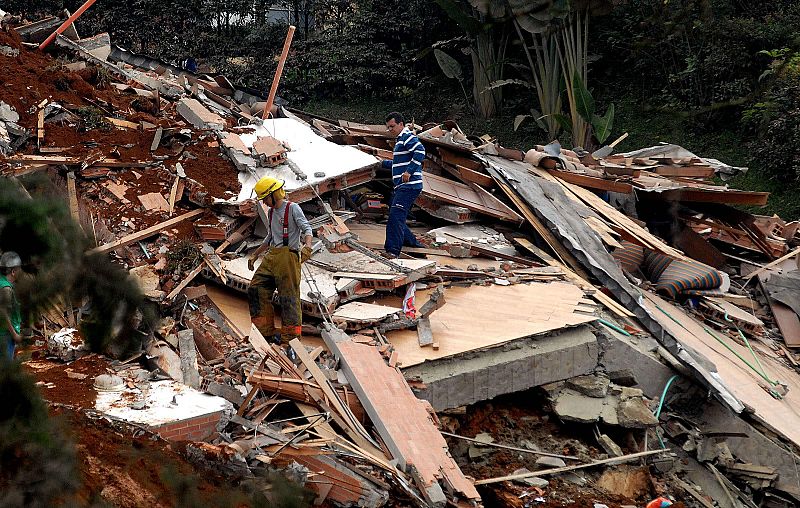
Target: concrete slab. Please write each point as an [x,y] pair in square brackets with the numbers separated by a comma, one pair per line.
[515,366]
[173,409]
[636,355]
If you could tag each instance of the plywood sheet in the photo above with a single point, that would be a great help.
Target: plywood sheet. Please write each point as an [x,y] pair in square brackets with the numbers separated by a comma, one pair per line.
[235,309]
[781,415]
[481,316]
[154,201]
[375,234]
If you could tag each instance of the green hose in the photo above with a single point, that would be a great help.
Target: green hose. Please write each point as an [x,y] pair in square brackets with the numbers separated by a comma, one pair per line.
[613,327]
[661,405]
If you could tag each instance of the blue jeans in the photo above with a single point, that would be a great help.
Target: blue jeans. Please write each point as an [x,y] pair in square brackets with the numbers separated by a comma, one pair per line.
[8,348]
[397,232]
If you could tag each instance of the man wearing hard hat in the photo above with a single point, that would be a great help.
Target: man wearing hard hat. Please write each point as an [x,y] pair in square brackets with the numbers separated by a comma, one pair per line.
[280,268]
[10,315]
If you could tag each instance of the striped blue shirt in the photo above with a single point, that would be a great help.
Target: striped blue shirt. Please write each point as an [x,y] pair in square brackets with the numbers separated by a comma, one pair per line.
[408,156]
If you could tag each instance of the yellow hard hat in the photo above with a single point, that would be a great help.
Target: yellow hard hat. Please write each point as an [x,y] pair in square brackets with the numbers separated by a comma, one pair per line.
[266,186]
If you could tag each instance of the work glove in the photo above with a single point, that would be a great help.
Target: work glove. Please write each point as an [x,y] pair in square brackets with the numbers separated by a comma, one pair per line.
[305,253]
[251,262]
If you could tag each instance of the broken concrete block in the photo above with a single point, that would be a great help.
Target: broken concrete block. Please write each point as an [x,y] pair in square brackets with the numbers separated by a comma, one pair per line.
[99,46]
[232,141]
[9,51]
[198,115]
[8,113]
[609,411]
[226,392]
[166,359]
[634,414]
[630,393]
[269,151]
[188,351]
[575,479]
[531,481]
[148,281]
[550,462]
[575,407]
[609,445]
[477,451]
[592,386]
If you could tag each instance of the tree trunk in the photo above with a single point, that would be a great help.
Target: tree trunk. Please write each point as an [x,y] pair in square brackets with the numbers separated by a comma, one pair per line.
[485,70]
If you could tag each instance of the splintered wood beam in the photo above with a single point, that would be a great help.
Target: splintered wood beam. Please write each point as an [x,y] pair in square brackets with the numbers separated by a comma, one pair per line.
[185,282]
[591,182]
[556,470]
[146,233]
[173,195]
[73,197]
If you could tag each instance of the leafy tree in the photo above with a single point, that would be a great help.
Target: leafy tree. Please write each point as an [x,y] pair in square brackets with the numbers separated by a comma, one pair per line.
[363,48]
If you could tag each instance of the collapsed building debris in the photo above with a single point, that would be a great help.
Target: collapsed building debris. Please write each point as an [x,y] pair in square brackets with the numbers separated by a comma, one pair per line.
[599,278]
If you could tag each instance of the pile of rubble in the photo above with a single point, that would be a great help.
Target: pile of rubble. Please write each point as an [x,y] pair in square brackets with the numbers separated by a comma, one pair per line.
[602,278]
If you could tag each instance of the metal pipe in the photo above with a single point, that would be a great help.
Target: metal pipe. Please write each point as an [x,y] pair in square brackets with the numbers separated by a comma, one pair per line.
[278,72]
[70,20]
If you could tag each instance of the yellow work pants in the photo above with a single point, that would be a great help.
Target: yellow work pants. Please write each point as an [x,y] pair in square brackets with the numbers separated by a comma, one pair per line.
[280,269]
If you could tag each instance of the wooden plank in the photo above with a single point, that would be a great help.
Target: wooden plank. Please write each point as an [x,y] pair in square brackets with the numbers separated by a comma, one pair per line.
[451,157]
[467,175]
[556,470]
[787,321]
[591,182]
[472,197]
[173,195]
[685,171]
[772,263]
[124,124]
[618,218]
[40,128]
[730,196]
[72,193]
[402,420]
[345,417]
[186,280]
[152,230]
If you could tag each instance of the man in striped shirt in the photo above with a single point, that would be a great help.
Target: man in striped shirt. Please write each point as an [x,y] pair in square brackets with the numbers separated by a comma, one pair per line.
[406,166]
